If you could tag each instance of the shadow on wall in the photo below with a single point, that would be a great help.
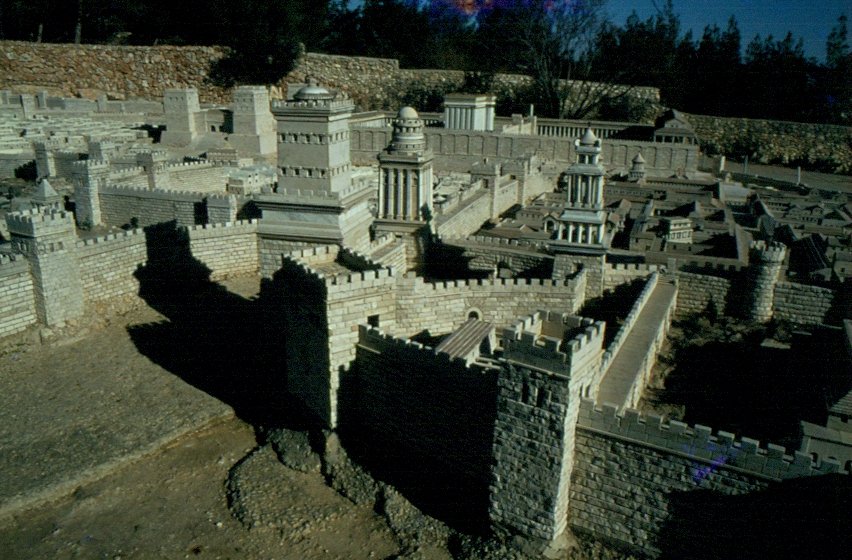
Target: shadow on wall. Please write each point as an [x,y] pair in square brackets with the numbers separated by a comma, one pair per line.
[217,341]
[799,518]
[425,430]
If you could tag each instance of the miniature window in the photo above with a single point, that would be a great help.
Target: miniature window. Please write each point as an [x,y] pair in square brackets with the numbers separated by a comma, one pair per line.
[373,321]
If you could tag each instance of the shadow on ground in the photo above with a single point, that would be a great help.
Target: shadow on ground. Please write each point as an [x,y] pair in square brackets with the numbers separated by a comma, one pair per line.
[219,342]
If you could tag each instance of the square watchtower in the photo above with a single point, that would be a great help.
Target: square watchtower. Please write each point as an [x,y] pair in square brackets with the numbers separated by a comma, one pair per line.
[550,361]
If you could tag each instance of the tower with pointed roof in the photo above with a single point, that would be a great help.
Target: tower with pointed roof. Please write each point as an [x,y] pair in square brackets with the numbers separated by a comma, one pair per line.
[637,169]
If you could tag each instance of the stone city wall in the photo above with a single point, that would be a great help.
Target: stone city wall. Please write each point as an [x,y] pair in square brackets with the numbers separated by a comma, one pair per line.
[119,205]
[442,307]
[618,273]
[489,253]
[10,163]
[820,146]
[107,267]
[418,404]
[629,470]
[198,177]
[227,249]
[17,305]
[467,218]
[807,305]
[323,312]
[696,290]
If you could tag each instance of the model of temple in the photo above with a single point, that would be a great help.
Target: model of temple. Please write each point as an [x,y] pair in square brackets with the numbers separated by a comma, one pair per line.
[431,269]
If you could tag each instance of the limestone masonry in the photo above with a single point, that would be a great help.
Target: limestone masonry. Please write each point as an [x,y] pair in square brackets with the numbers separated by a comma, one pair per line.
[426,276]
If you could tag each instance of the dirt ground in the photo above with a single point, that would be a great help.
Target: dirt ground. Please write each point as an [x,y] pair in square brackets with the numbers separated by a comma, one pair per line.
[174,505]
[89,429]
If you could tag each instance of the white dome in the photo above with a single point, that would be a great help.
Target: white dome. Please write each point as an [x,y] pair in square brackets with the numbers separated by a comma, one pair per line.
[312,92]
[407,113]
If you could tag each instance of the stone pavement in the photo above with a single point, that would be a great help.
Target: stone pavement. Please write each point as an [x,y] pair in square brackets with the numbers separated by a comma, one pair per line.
[72,414]
[620,378]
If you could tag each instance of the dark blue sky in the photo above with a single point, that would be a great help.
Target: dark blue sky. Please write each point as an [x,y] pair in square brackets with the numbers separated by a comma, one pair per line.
[811,20]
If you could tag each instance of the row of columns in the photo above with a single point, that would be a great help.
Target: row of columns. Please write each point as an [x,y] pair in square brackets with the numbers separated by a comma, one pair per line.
[561,131]
[581,233]
[401,194]
[583,191]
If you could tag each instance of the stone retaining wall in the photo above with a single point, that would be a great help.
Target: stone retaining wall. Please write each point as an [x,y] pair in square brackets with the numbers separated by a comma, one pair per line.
[819,146]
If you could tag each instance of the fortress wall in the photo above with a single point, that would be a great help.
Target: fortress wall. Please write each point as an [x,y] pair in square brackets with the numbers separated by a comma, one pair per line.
[442,307]
[418,404]
[17,299]
[198,178]
[108,264]
[11,162]
[505,197]
[226,249]
[466,219]
[272,253]
[121,204]
[806,305]
[321,314]
[630,470]
[696,290]
[617,274]
[488,256]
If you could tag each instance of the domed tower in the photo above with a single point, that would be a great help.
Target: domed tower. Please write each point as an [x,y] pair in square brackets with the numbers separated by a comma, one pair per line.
[405,171]
[765,261]
[405,186]
[637,169]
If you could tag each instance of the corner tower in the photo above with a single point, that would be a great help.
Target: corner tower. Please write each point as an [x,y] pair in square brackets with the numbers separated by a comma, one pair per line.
[551,361]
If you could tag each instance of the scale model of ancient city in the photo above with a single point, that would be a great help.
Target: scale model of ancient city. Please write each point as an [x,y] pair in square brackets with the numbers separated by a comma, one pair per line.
[478,299]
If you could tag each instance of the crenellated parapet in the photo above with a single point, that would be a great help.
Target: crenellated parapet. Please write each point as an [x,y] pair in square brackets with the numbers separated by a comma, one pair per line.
[553,342]
[765,262]
[699,443]
[40,232]
[379,341]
